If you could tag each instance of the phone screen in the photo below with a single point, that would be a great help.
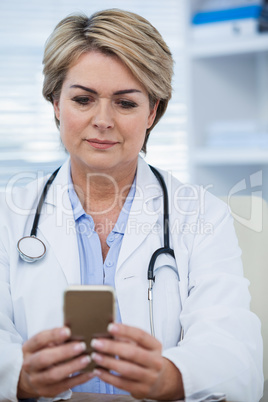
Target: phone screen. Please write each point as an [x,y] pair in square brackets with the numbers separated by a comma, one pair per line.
[88,310]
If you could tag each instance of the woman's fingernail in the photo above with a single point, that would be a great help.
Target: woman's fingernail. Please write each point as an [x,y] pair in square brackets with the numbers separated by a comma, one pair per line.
[80,347]
[97,373]
[66,331]
[96,357]
[96,343]
[113,328]
[85,360]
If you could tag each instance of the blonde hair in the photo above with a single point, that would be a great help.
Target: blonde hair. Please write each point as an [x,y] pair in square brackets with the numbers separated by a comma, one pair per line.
[113,32]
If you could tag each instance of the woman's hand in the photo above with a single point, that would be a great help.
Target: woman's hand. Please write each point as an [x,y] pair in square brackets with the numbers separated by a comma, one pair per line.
[136,358]
[48,363]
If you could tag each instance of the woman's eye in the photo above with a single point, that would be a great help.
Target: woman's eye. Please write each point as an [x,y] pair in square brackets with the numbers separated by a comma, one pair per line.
[125,104]
[82,100]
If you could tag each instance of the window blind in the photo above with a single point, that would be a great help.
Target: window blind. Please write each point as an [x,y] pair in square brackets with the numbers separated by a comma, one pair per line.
[29,140]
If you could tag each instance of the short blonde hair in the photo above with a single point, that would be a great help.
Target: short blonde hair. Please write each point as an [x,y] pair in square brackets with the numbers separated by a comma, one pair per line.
[113,32]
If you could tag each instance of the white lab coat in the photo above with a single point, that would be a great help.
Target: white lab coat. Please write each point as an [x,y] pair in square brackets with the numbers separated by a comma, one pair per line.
[221,352]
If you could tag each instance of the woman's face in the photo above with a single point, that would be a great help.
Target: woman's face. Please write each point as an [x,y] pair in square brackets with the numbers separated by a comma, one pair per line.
[104,113]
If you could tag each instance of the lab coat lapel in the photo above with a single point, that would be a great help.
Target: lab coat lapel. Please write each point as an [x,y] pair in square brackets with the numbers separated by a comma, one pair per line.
[57,225]
[143,214]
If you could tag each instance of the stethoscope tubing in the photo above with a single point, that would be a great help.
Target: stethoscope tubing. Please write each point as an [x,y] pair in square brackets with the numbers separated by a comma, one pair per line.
[41,202]
[162,250]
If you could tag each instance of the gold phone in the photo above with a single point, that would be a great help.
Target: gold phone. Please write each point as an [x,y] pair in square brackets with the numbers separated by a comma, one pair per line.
[88,310]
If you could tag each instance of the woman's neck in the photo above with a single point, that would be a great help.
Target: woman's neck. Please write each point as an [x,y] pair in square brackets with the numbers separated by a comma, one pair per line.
[102,192]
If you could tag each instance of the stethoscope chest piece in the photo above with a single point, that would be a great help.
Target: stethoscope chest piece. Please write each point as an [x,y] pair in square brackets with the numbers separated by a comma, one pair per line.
[31,248]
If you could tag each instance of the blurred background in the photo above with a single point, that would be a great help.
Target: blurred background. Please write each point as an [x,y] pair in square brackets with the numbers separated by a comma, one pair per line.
[228,95]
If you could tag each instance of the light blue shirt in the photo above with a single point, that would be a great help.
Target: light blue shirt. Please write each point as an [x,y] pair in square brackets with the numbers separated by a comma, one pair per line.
[95,271]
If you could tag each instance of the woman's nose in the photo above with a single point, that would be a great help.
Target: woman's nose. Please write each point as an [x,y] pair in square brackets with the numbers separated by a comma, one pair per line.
[103,116]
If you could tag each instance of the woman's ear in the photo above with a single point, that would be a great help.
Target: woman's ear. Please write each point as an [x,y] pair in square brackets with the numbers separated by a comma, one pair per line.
[152,114]
[56,106]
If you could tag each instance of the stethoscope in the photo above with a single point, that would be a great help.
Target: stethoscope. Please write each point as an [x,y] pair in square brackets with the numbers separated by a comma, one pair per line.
[32,249]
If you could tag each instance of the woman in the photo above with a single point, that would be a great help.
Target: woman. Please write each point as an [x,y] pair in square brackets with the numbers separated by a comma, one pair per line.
[109,80]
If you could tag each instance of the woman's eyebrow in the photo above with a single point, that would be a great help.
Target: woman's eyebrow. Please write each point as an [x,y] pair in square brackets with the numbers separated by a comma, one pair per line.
[84,88]
[121,92]
[126,91]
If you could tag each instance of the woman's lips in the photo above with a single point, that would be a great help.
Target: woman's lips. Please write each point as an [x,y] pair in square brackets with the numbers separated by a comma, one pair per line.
[99,144]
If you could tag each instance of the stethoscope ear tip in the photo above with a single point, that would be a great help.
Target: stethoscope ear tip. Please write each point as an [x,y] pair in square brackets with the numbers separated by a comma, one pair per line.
[31,248]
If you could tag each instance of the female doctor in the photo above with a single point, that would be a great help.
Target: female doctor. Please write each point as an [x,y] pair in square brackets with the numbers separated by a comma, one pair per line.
[109,80]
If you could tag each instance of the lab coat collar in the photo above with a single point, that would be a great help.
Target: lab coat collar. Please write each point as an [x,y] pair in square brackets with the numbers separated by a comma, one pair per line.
[58,227]
[58,192]
[144,212]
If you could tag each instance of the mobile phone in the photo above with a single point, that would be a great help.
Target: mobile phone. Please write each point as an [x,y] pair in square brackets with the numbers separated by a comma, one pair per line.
[88,310]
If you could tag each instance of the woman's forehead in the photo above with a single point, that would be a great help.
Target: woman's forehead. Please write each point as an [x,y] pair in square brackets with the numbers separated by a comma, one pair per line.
[104,71]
